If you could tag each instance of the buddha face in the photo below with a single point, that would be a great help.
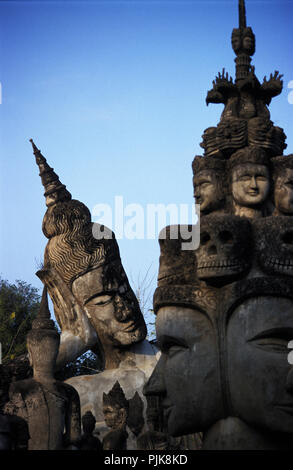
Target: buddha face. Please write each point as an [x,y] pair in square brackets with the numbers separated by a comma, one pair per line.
[114,415]
[111,305]
[250,184]
[207,191]
[258,333]
[41,341]
[284,192]
[187,375]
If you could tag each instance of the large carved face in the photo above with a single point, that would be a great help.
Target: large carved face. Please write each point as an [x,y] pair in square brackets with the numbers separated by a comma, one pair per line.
[283,192]
[250,184]
[111,304]
[208,191]
[225,248]
[274,244]
[258,333]
[187,374]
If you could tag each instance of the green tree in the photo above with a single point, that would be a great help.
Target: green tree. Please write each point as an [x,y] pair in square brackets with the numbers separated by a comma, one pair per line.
[19,304]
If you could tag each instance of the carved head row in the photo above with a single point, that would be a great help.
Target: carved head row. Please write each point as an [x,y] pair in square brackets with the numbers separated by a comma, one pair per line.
[224,337]
[249,184]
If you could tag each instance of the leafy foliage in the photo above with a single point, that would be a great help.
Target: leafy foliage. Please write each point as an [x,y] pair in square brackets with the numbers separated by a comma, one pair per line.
[19,304]
[87,364]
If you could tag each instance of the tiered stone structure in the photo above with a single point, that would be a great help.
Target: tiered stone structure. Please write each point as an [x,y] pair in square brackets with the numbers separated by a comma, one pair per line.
[225,310]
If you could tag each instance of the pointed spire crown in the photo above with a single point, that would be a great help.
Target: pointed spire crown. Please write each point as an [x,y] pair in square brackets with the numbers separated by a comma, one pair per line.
[50,179]
[43,320]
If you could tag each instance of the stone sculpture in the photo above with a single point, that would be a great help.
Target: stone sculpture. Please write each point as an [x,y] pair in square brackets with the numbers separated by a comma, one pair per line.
[50,408]
[87,440]
[94,304]
[224,331]
[208,182]
[115,409]
[283,185]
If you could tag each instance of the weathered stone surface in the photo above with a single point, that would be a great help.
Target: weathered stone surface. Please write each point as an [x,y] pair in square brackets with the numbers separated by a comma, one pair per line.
[224,333]
[132,373]
[51,409]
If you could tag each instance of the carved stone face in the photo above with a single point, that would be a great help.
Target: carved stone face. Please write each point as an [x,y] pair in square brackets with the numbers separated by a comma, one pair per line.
[43,351]
[283,192]
[115,416]
[274,244]
[208,191]
[111,305]
[236,40]
[258,333]
[224,250]
[187,374]
[250,184]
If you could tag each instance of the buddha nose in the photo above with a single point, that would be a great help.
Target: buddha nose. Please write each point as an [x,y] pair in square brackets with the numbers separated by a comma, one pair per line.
[156,384]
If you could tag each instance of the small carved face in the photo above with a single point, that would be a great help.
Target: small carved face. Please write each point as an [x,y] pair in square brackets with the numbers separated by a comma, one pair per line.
[115,416]
[224,251]
[236,40]
[258,333]
[250,184]
[207,191]
[111,305]
[187,376]
[284,192]
[274,244]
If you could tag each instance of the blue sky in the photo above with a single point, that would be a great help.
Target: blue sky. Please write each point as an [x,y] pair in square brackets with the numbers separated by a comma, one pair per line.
[113,93]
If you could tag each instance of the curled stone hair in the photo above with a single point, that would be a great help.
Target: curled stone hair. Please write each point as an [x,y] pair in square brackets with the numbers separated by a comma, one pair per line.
[115,397]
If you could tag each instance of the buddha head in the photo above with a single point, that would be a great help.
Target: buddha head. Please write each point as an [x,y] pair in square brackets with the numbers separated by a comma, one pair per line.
[86,257]
[274,245]
[283,184]
[88,422]
[208,183]
[229,362]
[115,407]
[250,178]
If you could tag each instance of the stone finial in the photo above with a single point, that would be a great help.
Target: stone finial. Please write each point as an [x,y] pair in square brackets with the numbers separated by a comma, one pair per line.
[43,320]
[50,179]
